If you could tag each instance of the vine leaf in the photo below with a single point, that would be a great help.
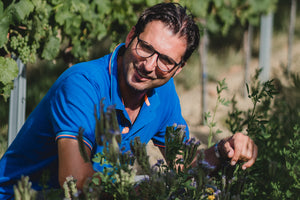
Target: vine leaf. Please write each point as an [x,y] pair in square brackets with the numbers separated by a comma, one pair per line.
[8,71]
[51,48]
[22,9]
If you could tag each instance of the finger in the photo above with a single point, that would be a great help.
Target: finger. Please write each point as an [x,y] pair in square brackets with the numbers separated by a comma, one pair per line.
[242,145]
[250,162]
[247,151]
[228,150]
[236,156]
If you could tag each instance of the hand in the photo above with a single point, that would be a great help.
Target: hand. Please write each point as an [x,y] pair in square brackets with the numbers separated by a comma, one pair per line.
[239,147]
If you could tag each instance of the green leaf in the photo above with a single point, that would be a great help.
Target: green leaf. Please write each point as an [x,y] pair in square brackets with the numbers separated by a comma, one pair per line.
[4,27]
[22,9]
[1,8]
[4,24]
[96,180]
[51,48]
[8,71]
[218,131]
[62,15]
[199,8]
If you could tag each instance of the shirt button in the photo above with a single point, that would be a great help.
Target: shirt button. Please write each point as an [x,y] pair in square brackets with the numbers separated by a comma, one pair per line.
[125,130]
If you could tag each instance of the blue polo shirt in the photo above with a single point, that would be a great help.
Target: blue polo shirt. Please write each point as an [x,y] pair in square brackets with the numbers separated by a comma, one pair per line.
[69,105]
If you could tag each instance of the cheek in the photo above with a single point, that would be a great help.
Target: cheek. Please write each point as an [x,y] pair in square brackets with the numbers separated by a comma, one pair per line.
[160,74]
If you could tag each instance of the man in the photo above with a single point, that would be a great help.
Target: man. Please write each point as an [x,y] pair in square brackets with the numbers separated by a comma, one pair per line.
[137,77]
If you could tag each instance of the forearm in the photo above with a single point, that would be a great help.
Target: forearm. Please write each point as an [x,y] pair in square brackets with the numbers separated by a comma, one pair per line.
[81,175]
[71,163]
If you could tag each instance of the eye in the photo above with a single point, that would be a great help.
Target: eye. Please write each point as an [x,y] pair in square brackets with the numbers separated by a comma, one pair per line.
[166,60]
[145,47]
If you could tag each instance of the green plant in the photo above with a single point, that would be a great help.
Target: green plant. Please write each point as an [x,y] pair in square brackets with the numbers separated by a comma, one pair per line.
[275,174]
[59,29]
[175,179]
[8,71]
[210,120]
[23,189]
[272,122]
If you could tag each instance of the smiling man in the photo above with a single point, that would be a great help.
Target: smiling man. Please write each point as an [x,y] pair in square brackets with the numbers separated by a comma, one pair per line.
[137,77]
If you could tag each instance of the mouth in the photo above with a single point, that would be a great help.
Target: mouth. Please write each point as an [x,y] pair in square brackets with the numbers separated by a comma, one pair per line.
[141,75]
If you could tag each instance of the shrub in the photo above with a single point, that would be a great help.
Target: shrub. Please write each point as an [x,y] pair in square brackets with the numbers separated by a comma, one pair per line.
[272,122]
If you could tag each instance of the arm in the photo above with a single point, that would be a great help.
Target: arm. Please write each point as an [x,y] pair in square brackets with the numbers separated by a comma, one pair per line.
[70,162]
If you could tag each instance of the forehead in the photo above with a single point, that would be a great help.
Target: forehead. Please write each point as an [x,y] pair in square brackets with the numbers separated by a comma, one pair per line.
[164,40]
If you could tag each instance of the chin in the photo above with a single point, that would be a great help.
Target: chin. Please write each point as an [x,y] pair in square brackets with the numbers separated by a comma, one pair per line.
[137,87]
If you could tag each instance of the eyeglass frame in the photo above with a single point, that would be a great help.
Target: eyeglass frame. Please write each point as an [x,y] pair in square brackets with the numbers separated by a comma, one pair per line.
[159,54]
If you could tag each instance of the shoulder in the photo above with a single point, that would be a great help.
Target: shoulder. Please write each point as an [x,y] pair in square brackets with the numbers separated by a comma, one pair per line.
[94,72]
[92,69]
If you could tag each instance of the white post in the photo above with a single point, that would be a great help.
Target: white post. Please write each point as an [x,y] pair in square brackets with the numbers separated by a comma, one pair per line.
[17,103]
[266,29]
[203,57]
[291,33]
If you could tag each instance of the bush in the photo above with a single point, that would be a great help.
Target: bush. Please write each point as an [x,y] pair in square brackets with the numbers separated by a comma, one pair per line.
[272,122]
[274,126]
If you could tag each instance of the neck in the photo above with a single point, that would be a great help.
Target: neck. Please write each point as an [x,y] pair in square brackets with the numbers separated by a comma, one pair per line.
[132,98]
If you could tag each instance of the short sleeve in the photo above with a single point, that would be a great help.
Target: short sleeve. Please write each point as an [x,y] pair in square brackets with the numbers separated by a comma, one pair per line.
[72,108]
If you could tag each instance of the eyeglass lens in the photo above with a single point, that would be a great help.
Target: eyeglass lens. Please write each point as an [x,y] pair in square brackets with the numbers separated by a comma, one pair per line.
[163,62]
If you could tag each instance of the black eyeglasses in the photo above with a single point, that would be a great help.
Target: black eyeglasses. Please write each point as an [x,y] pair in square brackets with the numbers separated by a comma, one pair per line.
[164,63]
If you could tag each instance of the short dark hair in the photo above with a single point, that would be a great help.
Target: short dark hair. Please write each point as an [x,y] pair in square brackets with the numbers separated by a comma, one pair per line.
[177,19]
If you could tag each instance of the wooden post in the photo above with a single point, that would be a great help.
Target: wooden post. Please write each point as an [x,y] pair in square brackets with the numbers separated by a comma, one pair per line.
[17,103]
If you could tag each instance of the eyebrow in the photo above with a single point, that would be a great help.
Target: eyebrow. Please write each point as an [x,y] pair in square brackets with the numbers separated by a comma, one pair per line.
[171,59]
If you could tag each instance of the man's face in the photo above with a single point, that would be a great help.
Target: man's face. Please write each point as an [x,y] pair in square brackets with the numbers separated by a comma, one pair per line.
[142,73]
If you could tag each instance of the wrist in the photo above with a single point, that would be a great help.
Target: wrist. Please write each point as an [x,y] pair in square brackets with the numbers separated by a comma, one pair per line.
[217,151]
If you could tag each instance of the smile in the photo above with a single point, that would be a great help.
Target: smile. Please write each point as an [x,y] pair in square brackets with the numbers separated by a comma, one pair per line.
[143,76]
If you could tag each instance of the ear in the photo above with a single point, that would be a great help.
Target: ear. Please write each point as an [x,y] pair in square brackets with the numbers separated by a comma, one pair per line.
[178,69]
[130,36]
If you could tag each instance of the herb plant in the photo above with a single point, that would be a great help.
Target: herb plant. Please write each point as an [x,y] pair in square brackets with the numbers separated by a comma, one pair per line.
[272,122]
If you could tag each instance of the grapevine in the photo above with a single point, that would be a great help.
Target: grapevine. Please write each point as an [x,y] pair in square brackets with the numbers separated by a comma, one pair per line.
[22,49]
[8,71]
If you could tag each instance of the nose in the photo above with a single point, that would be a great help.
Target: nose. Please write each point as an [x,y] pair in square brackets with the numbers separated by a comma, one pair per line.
[151,63]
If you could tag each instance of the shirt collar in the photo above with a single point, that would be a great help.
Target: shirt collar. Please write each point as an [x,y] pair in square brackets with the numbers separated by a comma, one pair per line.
[151,99]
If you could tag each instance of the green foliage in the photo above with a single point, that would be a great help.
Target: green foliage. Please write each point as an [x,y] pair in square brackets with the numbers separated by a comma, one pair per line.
[59,28]
[70,189]
[210,120]
[8,71]
[219,15]
[46,28]
[273,123]
[23,190]
[292,155]
[177,179]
